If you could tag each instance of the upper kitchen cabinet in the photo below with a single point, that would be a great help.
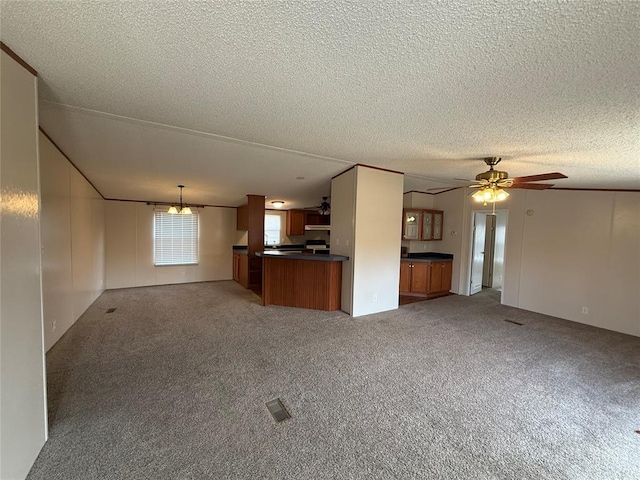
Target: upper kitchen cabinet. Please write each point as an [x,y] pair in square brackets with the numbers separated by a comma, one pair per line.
[295,222]
[411,225]
[422,224]
[242,218]
[297,219]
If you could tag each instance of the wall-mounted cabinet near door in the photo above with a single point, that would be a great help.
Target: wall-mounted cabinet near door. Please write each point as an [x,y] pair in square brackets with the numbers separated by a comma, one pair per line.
[422,224]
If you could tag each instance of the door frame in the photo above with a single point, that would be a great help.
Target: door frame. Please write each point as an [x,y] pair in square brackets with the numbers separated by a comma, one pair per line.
[469,245]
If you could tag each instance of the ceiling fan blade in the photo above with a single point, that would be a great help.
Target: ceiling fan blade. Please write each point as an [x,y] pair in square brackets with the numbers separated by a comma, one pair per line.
[532,186]
[536,178]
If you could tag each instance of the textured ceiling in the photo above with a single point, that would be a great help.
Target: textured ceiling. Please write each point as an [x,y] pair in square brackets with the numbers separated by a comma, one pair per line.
[420,87]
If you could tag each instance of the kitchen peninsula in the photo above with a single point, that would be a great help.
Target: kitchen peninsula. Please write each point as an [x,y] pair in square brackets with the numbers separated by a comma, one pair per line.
[302,280]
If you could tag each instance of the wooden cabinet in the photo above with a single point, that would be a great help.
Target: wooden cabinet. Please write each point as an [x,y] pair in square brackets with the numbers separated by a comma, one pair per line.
[411,225]
[297,219]
[425,279]
[242,217]
[241,269]
[295,222]
[439,278]
[422,224]
[236,266]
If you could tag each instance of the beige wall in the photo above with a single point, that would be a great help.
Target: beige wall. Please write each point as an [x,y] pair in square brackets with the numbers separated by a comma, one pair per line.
[366,222]
[376,272]
[23,421]
[129,247]
[73,273]
[576,249]
[343,205]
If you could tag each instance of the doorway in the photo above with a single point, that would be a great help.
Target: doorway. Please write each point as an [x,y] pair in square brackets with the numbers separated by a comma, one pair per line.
[487,250]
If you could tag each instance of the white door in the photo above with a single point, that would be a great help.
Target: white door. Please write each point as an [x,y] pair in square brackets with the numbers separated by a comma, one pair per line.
[477,254]
[489,243]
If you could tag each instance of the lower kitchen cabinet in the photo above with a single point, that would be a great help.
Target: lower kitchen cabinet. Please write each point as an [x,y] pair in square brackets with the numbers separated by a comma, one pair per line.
[425,279]
[241,269]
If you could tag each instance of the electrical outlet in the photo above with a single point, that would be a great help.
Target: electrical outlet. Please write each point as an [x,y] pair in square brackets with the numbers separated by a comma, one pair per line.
[585,310]
[183,273]
[54,325]
[375,298]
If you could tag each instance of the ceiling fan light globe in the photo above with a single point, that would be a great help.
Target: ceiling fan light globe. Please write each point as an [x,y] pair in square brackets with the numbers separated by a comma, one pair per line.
[501,195]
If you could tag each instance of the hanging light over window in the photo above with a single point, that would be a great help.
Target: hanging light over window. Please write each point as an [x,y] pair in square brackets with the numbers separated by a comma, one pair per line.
[183,209]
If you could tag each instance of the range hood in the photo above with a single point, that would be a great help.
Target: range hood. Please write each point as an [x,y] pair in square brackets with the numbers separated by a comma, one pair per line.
[324,228]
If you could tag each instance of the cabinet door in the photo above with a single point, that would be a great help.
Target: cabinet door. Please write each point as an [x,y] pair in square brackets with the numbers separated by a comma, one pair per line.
[405,276]
[419,277]
[236,267]
[295,222]
[242,217]
[437,225]
[411,225]
[435,277]
[447,273]
[427,225]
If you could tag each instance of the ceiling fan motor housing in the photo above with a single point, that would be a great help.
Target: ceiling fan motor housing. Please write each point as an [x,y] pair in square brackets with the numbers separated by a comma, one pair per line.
[492,176]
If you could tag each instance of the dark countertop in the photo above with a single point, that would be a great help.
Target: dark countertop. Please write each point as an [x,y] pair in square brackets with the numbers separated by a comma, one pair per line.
[281,248]
[302,256]
[428,257]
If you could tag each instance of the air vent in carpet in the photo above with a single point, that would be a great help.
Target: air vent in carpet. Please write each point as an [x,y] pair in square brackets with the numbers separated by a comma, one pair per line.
[110,310]
[277,410]
[512,321]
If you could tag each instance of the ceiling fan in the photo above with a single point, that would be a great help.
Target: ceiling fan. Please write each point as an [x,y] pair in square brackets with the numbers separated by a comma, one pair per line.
[323,209]
[490,184]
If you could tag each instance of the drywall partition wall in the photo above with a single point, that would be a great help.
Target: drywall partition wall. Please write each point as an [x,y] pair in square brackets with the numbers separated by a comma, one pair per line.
[23,422]
[456,205]
[72,224]
[343,208]
[576,255]
[376,255]
[129,247]
[366,219]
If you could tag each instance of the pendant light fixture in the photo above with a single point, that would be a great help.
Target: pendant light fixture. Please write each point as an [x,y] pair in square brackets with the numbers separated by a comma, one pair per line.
[183,209]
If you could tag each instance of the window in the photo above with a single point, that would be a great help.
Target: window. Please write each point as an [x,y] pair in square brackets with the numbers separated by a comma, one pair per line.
[175,239]
[272,227]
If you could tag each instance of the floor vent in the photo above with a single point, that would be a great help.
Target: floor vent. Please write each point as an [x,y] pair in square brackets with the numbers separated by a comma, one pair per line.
[277,410]
[512,321]
[110,310]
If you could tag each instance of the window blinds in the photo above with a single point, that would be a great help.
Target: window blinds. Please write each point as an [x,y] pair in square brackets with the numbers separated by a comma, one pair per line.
[175,239]
[272,229]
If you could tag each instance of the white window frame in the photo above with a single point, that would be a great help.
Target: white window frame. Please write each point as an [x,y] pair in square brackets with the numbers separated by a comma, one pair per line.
[270,237]
[172,244]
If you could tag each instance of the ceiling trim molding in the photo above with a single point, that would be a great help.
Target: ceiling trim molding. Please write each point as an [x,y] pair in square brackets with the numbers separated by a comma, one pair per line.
[189,131]
[437,193]
[71,162]
[149,202]
[366,166]
[17,58]
[596,189]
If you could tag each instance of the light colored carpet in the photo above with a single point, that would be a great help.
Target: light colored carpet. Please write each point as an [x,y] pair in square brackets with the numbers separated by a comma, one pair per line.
[173,385]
